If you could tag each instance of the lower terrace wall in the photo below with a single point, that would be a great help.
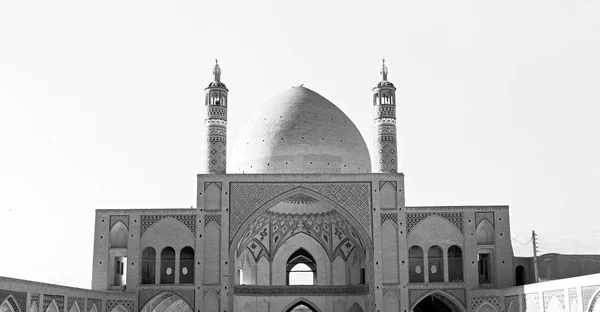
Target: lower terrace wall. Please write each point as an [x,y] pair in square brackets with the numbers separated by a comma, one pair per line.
[28,296]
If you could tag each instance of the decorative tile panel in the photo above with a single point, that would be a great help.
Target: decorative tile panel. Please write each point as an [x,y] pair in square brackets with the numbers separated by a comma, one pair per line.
[16,299]
[111,304]
[212,218]
[189,220]
[91,303]
[559,293]
[389,216]
[60,302]
[80,303]
[488,215]
[35,301]
[595,301]
[301,290]
[414,218]
[508,300]
[587,292]
[479,301]
[573,296]
[115,219]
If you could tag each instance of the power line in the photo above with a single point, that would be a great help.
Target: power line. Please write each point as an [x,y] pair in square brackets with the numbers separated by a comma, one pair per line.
[527,242]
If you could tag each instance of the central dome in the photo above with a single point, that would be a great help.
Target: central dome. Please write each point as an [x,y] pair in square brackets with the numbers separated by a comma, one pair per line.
[299,131]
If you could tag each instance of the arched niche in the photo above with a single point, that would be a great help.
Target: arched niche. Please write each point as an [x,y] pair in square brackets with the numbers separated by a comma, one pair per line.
[554,305]
[437,300]
[291,245]
[186,265]
[531,305]
[74,307]
[119,308]
[301,303]
[389,243]
[416,264]
[212,197]
[391,302]
[356,268]
[263,274]
[520,275]
[486,308]
[356,308]
[166,302]
[33,307]
[435,230]
[387,196]
[211,302]
[212,253]
[435,260]
[118,235]
[148,266]
[455,264]
[247,267]
[512,307]
[485,233]
[339,271]
[6,307]
[52,307]
[167,266]
[168,232]
[93,308]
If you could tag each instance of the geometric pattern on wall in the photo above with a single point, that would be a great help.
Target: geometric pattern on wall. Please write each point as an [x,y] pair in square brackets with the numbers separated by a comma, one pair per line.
[573,296]
[271,229]
[189,220]
[559,295]
[216,158]
[35,301]
[187,295]
[514,300]
[111,304]
[595,301]
[212,218]
[60,302]
[80,303]
[480,216]
[354,197]
[586,294]
[386,159]
[414,218]
[91,303]
[16,299]
[479,301]
[115,219]
[536,300]
[415,295]
[389,216]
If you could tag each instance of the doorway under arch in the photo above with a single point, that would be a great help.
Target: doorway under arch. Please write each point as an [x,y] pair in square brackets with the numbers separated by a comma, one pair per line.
[167,302]
[436,302]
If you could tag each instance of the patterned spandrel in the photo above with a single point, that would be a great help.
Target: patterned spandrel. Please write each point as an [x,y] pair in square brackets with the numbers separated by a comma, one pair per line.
[573,297]
[80,303]
[559,294]
[208,218]
[115,219]
[488,215]
[111,304]
[587,292]
[414,218]
[147,295]
[16,299]
[35,301]
[514,300]
[189,220]
[60,302]
[532,298]
[246,198]
[491,300]
[389,216]
[94,303]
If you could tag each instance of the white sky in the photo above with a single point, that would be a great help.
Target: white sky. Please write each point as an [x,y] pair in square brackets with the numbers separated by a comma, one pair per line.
[101,107]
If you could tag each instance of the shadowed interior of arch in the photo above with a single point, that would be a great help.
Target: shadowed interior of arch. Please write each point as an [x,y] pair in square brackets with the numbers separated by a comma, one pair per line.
[166,302]
[301,306]
[436,302]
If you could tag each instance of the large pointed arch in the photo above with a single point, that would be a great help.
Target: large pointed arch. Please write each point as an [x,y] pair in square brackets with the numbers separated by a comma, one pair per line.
[167,302]
[6,307]
[10,305]
[356,308]
[118,235]
[302,301]
[456,301]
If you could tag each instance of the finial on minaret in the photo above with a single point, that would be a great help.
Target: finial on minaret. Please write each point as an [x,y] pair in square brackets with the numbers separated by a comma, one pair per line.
[383,71]
[217,71]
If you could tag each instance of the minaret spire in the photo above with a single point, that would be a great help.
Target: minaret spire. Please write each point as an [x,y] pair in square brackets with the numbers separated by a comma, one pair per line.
[385,154]
[217,71]
[215,124]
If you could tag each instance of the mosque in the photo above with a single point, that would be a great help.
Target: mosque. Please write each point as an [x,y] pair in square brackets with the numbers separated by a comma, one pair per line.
[302,217]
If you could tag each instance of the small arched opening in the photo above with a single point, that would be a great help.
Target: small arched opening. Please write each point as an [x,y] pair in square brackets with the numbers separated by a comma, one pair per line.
[436,264]
[186,264]
[167,266]
[455,264]
[415,263]
[149,266]
[485,233]
[301,268]
[520,276]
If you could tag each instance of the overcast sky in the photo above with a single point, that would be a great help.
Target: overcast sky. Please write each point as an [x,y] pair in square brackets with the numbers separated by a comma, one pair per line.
[101,107]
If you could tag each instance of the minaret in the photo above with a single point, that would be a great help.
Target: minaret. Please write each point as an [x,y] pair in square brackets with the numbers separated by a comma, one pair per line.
[215,124]
[384,122]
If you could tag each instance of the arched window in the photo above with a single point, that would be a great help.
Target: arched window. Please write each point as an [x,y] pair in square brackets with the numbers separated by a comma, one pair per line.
[519,275]
[148,266]
[186,263]
[485,233]
[436,264]
[415,264]
[118,235]
[455,264]
[167,266]
[301,268]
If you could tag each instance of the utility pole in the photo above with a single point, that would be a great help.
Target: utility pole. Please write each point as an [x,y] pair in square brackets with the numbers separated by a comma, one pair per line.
[535,259]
